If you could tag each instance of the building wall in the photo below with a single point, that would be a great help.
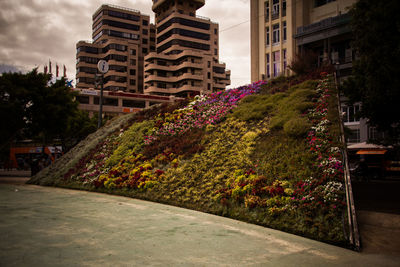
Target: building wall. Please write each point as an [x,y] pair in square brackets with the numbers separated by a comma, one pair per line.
[299,13]
[122,37]
[116,103]
[187,52]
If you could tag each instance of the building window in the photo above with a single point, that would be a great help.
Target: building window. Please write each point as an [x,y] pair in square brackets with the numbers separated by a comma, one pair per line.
[267,59]
[374,134]
[106,101]
[82,99]
[284,30]
[353,136]
[144,50]
[283,8]
[133,52]
[132,82]
[267,42]
[275,9]
[133,62]
[266,11]
[208,75]
[284,55]
[145,31]
[132,72]
[277,63]
[133,103]
[216,51]
[144,41]
[350,114]
[275,34]
[322,2]
[145,22]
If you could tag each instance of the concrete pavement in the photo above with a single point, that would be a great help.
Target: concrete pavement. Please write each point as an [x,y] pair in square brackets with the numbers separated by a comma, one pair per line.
[41,226]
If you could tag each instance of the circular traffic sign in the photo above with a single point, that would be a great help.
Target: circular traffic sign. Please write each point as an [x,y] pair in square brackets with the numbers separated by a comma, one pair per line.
[102,66]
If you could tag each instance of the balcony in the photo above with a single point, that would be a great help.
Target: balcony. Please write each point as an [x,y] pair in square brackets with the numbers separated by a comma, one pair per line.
[323,25]
[186,64]
[173,79]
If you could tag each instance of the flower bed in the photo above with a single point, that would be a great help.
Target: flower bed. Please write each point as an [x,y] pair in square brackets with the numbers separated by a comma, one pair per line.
[203,111]
[271,159]
[326,189]
[322,190]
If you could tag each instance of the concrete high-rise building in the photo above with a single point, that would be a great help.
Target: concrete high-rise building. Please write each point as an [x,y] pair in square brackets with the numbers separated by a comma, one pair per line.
[121,36]
[186,60]
[282,29]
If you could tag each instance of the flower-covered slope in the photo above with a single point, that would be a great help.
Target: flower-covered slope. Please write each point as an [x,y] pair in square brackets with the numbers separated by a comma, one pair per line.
[270,159]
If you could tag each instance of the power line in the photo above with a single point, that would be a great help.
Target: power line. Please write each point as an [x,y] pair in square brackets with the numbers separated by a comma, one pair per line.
[243,22]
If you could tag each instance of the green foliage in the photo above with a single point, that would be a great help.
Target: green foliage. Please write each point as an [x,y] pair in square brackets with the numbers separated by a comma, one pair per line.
[253,107]
[33,109]
[290,106]
[376,79]
[132,140]
[51,110]
[297,127]
[225,151]
[80,125]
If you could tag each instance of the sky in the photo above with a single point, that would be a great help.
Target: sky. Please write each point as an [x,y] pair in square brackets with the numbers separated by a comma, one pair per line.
[32,32]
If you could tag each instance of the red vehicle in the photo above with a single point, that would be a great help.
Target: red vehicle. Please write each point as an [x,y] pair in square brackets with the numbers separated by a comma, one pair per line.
[23,154]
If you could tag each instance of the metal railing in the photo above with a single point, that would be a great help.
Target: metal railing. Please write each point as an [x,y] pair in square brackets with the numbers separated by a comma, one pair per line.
[354,236]
[323,24]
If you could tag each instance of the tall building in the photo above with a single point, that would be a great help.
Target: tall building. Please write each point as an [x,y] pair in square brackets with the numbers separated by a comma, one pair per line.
[121,36]
[282,29]
[186,60]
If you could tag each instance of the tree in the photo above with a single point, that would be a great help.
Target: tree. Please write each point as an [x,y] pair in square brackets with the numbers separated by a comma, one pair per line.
[80,125]
[15,101]
[51,110]
[376,71]
[31,107]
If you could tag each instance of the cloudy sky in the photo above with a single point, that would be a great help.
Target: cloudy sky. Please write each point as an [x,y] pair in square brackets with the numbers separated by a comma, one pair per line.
[32,32]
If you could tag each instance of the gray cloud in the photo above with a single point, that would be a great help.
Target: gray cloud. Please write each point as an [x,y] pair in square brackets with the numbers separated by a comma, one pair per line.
[32,32]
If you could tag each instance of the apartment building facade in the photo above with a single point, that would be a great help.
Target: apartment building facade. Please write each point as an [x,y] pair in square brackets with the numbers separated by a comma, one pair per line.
[116,102]
[282,29]
[186,60]
[122,37]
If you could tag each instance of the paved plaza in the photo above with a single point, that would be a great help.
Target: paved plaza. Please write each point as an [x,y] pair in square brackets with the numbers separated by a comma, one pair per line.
[43,226]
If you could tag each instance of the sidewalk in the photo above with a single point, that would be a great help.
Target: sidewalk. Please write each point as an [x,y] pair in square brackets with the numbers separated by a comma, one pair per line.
[14,173]
[44,226]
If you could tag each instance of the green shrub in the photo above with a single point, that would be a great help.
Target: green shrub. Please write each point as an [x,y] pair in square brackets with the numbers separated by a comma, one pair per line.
[253,107]
[297,127]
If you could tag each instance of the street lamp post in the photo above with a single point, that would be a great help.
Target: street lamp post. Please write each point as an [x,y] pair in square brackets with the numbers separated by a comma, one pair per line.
[102,66]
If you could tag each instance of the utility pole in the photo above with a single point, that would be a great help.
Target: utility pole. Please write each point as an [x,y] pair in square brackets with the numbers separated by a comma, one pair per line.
[102,66]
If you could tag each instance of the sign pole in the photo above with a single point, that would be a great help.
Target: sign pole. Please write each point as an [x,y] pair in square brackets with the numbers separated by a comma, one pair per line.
[102,66]
[99,121]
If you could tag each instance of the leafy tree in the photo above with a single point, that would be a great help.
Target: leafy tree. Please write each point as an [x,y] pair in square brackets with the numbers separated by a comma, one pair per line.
[376,79]
[80,125]
[51,110]
[31,107]
[15,103]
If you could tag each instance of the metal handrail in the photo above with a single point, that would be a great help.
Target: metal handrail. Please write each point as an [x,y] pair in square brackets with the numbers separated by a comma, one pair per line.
[354,236]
